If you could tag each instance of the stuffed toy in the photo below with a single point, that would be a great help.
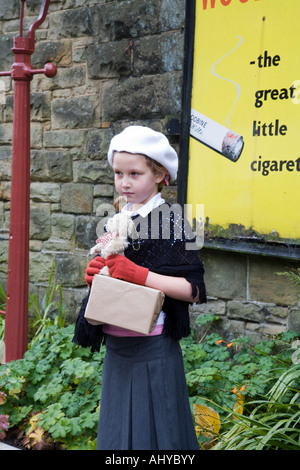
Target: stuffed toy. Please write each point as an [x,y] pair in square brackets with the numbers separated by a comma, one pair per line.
[115,240]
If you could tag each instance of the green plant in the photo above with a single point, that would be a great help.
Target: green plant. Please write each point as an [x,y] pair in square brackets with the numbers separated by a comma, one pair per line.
[57,385]
[273,422]
[47,312]
[228,376]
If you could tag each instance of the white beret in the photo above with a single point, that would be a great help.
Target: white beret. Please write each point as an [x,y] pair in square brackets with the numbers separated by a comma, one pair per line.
[145,141]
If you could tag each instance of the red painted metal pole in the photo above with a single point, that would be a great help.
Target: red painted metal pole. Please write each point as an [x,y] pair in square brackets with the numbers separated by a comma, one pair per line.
[18,254]
[16,318]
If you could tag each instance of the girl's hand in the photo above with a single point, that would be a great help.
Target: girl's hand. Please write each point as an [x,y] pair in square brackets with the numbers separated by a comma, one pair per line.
[121,267]
[94,267]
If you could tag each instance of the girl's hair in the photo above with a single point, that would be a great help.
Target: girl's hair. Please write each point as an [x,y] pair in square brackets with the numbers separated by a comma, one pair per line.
[156,168]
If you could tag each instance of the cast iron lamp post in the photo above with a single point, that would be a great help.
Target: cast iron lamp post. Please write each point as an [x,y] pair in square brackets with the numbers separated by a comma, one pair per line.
[16,315]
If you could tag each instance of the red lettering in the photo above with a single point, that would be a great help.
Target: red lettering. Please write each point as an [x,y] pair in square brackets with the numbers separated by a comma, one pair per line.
[225,3]
[212,4]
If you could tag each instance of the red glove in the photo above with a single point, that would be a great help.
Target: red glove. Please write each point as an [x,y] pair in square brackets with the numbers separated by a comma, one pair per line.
[94,267]
[121,267]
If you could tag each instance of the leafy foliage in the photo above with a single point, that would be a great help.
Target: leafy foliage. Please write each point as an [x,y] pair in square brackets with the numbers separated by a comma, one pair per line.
[58,384]
[52,395]
[233,378]
[273,423]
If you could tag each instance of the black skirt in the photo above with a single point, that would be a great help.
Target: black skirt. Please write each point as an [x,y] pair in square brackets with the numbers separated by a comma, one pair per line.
[144,401]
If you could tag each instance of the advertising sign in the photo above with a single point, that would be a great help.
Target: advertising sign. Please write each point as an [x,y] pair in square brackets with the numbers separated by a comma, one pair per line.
[244,146]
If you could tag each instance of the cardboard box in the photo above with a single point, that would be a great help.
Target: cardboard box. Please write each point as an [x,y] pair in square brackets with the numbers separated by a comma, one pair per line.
[123,304]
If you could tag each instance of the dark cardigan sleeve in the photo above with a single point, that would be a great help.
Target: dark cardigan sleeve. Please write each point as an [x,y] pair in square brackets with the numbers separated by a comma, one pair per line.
[85,334]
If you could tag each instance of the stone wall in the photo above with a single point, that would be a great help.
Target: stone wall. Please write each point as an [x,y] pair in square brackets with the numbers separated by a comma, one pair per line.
[119,62]
[249,295]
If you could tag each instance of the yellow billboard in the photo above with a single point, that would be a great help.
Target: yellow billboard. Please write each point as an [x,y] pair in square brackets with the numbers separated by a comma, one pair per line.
[244,147]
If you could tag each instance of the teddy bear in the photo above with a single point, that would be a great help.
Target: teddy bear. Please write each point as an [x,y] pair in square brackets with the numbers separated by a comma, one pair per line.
[115,239]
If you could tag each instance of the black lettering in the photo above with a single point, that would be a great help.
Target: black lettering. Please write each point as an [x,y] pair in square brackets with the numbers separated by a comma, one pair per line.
[258,95]
[281,163]
[271,129]
[256,130]
[292,88]
[267,60]
[290,165]
[283,94]
[274,166]
[259,164]
[265,166]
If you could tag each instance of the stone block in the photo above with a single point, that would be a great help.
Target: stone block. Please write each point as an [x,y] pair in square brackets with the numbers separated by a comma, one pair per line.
[6,131]
[38,166]
[86,231]
[59,166]
[142,97]
[264,329]
[294,320]
[9,9]
[65,138]
[97,143]
[40,265]
[77,198]
[70,270]
[212,307]
[104,190]
[77,22]
[109,59]
[276,314]
[171,15]
[158,54]
[93,171]
[1,214]
[40,224]
[5,162]
[74,112]
[63,226]
[58,52]
[129,19]
[74,76]
[6,44]
[266,285]
[45,192]
[245,311]
[5,190]
[225,274]
[40,106]
[36,135]
[3,255]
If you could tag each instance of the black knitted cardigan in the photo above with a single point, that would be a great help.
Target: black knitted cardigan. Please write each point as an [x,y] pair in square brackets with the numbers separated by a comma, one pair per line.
[166,245]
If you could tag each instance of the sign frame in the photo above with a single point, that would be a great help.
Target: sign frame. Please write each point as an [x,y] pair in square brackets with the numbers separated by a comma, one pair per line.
[235,240]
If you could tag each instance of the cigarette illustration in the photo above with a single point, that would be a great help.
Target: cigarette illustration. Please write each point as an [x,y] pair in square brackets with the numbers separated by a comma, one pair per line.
[219,138]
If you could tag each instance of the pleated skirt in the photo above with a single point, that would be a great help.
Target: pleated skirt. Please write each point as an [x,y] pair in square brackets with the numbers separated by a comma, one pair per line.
[144,399]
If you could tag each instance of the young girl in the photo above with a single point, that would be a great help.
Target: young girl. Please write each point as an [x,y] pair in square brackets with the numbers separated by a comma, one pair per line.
[144,400]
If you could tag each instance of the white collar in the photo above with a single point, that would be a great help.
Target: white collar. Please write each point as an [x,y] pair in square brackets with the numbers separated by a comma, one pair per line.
[144,210]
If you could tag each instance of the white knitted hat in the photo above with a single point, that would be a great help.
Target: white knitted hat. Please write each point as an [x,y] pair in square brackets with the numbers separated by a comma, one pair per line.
[145,141]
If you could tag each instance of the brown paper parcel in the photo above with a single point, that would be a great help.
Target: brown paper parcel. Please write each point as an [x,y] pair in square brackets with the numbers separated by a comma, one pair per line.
[123,304]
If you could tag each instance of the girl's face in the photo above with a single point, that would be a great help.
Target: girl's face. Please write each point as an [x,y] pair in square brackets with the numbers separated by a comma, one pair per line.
[134,179]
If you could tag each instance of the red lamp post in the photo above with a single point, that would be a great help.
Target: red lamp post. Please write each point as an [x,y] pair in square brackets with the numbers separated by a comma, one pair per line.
[16,315]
